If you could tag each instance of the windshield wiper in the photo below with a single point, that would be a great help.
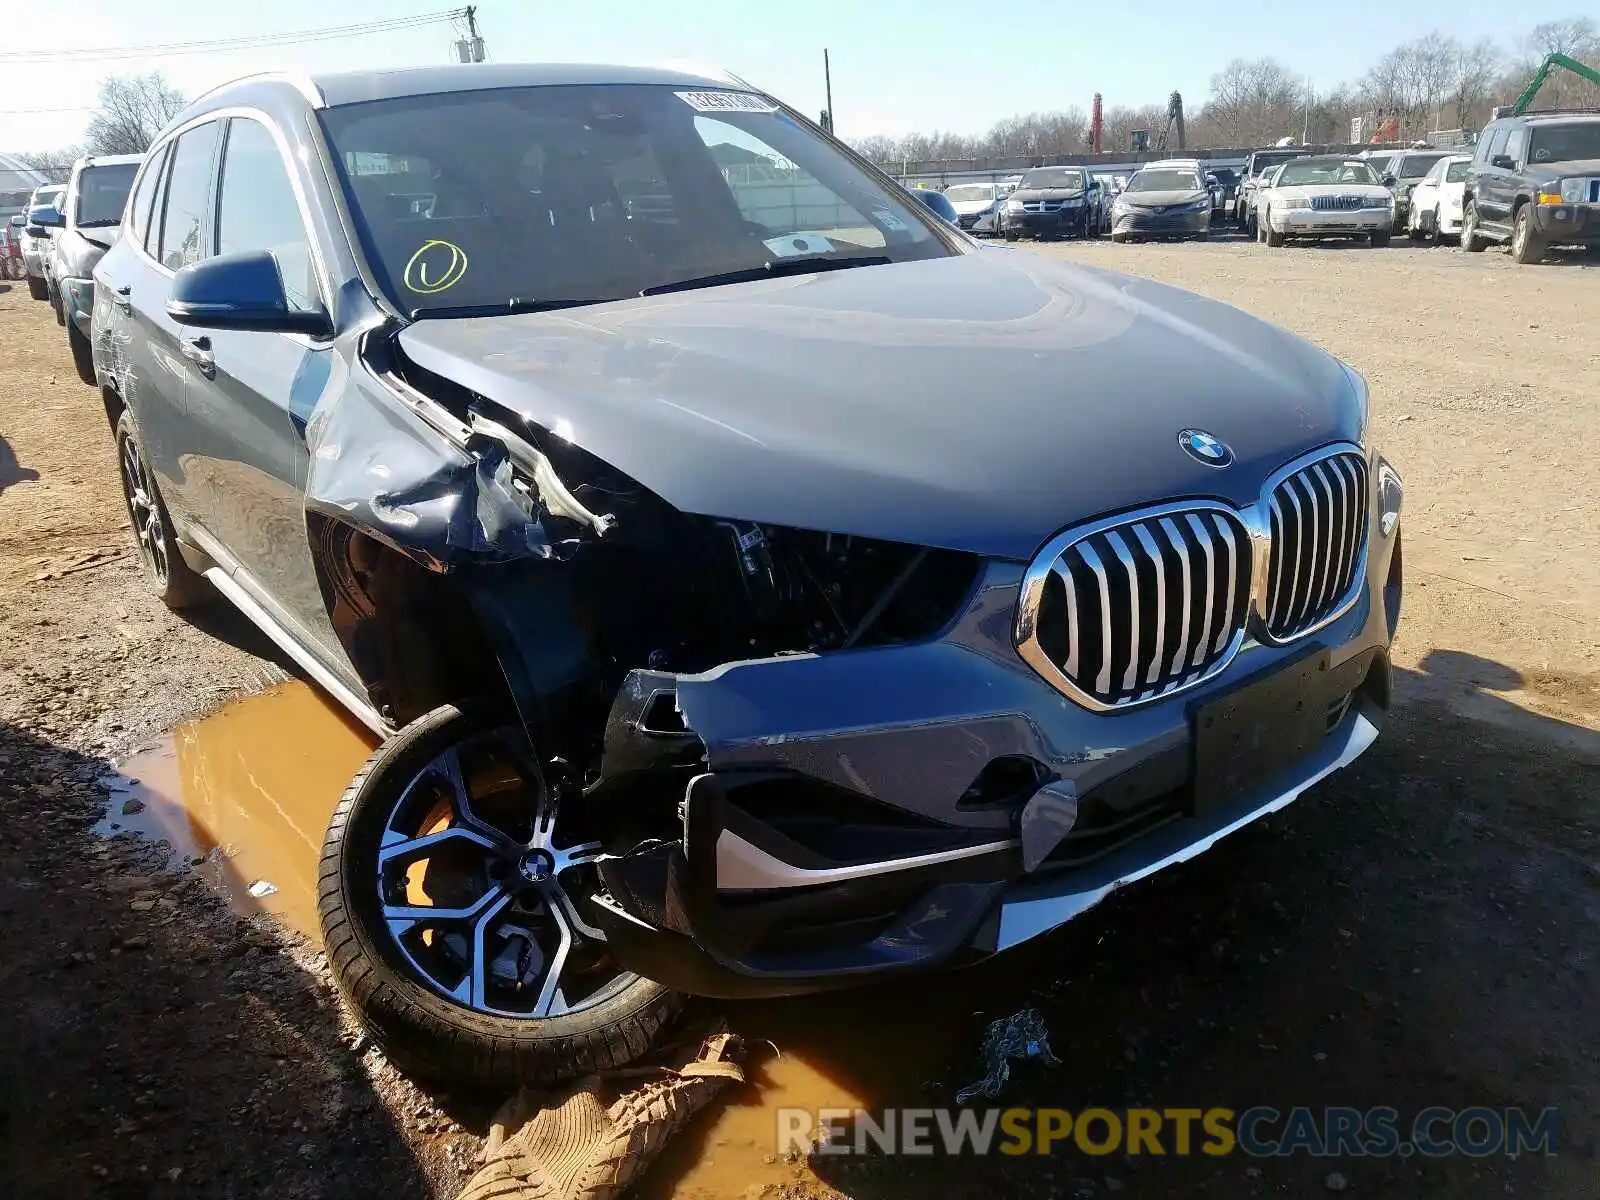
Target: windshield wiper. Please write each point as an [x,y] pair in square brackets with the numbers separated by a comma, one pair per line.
[100,224]
[771,270]
[504,308]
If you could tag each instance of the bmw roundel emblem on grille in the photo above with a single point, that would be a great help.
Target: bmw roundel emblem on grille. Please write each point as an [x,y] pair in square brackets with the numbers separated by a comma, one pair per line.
[1202,446]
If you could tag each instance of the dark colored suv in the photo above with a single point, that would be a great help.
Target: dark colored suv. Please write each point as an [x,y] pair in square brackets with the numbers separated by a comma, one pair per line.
[750,581]
[1535,182]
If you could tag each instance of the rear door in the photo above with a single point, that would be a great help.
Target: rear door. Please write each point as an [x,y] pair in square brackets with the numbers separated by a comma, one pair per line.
[114,346]
[158,390]
[1495,182]
[255,392]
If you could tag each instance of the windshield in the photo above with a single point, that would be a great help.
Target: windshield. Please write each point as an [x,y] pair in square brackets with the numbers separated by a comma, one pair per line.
[515,197]
[1165,181]
[1381,163]
[1264,162]
[970,193]
[1456,172]
[1311,171]
[1415,166]
[103,193]
[1565,143]
[1052,177]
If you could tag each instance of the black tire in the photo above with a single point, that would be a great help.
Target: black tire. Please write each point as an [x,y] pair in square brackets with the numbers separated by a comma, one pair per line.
[418,1029]
[1379,240]
[1527,247]
[1471,240]
[1119,238]
[54,296]
[1272,237]
[165,572]
[82,355]
[38,288]
[1010,236]
[1436,230]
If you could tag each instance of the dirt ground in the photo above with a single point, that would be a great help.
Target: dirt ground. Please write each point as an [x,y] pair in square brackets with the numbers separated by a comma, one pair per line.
[1418,931]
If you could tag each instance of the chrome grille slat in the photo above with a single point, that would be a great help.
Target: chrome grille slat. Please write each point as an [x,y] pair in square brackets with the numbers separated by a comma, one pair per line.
[1209,591]
[1318,518]
[1061,572]
[1092,559]
[1176,539]
[1231,574]
[1120,548]
[1142,532]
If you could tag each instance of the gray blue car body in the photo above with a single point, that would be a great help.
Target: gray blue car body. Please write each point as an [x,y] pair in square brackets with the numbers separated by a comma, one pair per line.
[873,598]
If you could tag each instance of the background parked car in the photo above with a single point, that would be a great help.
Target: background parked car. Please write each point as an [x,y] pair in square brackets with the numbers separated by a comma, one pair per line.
[1409,168]
[1048,202]
[1163,199]
[36,247]
[936,201]
[87,224]
[1223,193]
[977,206]
[1435,209]
[1535,182]
[1325,196]
[1255,165]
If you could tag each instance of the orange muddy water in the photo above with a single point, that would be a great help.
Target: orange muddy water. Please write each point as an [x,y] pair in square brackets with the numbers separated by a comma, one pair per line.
[248,790]
[245,795]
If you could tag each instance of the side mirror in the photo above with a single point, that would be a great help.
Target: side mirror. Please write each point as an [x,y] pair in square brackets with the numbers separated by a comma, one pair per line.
[47,216]
[18,220]
[1504,161]
[1389,181]
[239,291]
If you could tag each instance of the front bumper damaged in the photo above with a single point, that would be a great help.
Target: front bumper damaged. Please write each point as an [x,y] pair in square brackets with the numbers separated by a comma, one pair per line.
[859,814]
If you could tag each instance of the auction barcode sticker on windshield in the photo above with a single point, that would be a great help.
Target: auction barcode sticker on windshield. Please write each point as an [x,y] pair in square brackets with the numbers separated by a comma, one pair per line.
[726,102]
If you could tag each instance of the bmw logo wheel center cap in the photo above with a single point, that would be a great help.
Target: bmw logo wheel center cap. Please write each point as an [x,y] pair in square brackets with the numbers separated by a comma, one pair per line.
[1202,447]
[536,866]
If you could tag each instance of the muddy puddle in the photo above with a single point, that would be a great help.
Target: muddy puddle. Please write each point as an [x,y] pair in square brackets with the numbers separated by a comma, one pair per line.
[247,792]
[245,795]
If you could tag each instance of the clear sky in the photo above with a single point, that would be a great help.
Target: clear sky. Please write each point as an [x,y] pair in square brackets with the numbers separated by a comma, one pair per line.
[898,66]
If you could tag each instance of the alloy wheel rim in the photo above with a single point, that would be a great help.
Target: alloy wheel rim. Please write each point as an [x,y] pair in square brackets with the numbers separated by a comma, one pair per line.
[1519,235]
[497,930]
[144,511]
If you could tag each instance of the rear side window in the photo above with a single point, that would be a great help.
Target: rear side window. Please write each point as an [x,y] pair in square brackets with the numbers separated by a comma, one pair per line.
[144,197]
[256,209]
[1497,143]
[188,190]
[1517,143]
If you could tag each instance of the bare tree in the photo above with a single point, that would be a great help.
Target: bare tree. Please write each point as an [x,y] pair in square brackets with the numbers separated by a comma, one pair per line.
[1574,36]
[53,163]
[132,110]
[1252,103]
[1476,68]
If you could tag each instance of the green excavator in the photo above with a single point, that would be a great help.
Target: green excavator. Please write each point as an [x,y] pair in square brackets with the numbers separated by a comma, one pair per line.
[1520,105]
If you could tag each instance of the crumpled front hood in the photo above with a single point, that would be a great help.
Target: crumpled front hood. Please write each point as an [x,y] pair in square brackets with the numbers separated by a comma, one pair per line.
[980,402]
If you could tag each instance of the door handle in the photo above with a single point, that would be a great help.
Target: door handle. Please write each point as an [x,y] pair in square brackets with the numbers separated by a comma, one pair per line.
[122,298]
[198,351]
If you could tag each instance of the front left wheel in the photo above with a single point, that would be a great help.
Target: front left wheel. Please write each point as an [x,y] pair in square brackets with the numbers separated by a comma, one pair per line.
[453,893]
[37,288]
[1527,247]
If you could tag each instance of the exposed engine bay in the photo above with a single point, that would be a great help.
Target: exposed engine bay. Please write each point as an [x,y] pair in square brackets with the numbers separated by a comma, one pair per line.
[665,590]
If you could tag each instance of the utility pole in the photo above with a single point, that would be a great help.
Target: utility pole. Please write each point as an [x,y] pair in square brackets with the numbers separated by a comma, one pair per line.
[470,48]
[1305,130]
[827,83]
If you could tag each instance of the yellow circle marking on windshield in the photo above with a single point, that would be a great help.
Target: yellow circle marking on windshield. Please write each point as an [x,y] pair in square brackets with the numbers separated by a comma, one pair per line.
[436,267]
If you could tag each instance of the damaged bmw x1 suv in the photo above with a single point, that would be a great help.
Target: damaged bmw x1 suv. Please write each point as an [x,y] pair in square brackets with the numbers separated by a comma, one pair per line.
[752,582]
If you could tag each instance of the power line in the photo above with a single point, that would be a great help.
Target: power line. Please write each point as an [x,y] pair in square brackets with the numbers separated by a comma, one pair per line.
[243,42]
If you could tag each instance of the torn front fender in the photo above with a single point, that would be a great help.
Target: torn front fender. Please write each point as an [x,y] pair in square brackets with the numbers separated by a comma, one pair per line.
[380,466]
